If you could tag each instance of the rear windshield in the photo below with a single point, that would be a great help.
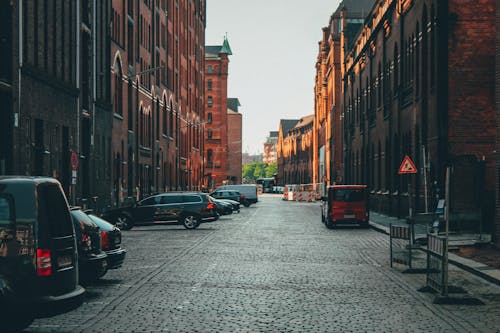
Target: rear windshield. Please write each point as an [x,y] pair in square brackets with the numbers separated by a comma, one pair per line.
[53,211]
[17,203]
[348,195]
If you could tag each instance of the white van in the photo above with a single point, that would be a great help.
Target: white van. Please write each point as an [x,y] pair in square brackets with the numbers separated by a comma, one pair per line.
[247,190]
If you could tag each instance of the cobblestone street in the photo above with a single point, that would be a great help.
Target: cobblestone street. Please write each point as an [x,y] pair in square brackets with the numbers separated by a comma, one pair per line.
[272,268]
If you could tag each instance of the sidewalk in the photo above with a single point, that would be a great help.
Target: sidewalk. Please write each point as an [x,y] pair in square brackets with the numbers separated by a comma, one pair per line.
[382,223]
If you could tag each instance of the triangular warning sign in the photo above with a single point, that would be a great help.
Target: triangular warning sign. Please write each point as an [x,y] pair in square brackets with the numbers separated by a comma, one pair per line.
[407,166]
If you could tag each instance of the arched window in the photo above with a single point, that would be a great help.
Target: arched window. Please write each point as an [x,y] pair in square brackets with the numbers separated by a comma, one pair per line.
[165,115]
[130,106]
[171,120]
[118,100]
[140,120]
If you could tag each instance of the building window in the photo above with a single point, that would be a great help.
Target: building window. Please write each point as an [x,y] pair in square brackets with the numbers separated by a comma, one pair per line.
[210,101]
[209,120]
[209,133]
[209,85]
[118,102]
[165,115]
[210,69]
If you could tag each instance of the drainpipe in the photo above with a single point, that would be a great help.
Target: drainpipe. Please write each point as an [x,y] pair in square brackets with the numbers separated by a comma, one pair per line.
[20,59]
[19,68]
[77,62]
[94,72]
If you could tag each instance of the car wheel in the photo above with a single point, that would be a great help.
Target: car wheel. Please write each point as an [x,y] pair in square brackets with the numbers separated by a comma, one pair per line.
[246,203]
[328,222]
[124,222]
[190,221]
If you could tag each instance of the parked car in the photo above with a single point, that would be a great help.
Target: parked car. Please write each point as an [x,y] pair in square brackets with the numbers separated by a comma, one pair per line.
[227,194]
[223,208]
[345,204]
[92,260]
[188,208]
[234,204]
[248,191]
[38,255]
[111,239]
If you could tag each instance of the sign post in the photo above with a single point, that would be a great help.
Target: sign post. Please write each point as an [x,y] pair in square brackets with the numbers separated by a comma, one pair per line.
[74,168]
[407,168]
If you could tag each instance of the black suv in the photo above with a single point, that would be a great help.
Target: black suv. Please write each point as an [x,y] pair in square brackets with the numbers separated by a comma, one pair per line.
[188,208]
[38,255]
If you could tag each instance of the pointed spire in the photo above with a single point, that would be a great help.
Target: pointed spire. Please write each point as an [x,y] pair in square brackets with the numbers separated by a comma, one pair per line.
[225,46]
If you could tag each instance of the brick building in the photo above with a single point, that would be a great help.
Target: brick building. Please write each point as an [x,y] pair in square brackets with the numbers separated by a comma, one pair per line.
[419,82]
[295,150]
[157,64]
[234,142]
[344,24]
[54,92]
[216,132]
[270,148]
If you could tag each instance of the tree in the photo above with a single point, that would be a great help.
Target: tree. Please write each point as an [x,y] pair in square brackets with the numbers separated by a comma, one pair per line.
[271,169]
[252,171]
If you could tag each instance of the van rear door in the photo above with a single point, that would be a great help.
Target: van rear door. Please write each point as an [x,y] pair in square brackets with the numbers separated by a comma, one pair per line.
[56,254]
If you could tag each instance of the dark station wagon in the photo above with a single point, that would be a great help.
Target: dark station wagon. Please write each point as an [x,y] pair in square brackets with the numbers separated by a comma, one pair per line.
[188,208]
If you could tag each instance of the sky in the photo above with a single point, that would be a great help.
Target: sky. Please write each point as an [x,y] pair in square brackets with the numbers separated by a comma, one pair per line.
[272,69]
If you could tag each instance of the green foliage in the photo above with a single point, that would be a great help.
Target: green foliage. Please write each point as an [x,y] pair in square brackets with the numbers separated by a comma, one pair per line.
[252,171]
[271,169]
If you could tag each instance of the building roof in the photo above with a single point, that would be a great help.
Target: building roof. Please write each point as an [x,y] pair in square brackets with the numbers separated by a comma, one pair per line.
[358,8]
[274,134]
[212,50]
[225,47]
[233,104]
[287,124]
[304,121]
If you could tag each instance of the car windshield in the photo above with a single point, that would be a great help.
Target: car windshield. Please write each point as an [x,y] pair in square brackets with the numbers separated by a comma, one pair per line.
[348,195]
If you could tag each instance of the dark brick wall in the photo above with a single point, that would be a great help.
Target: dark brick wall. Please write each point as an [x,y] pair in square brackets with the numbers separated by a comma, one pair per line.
[436,90]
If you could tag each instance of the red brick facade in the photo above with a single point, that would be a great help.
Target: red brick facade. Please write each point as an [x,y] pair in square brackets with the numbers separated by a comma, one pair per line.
[157,58]
[216,101]
[234,145]
[295,151]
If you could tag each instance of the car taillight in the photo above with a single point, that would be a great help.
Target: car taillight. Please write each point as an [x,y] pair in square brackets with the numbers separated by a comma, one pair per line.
[43,262]
[104,240]
[211,206]
[86,242]
[242,197]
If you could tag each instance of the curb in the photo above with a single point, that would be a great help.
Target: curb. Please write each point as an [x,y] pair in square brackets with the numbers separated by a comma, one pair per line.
[483,271]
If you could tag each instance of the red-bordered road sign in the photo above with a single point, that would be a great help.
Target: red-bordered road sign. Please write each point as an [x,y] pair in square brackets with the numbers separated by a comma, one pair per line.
[407,167]
[74,160]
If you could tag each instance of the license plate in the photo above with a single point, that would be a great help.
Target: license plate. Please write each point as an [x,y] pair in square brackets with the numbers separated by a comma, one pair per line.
[349,216]
[64,261]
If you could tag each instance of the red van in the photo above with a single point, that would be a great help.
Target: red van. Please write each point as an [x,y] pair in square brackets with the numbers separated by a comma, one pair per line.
[345,204]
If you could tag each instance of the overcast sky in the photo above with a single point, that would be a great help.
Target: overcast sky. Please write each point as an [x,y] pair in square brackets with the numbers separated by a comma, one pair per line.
[272,69]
